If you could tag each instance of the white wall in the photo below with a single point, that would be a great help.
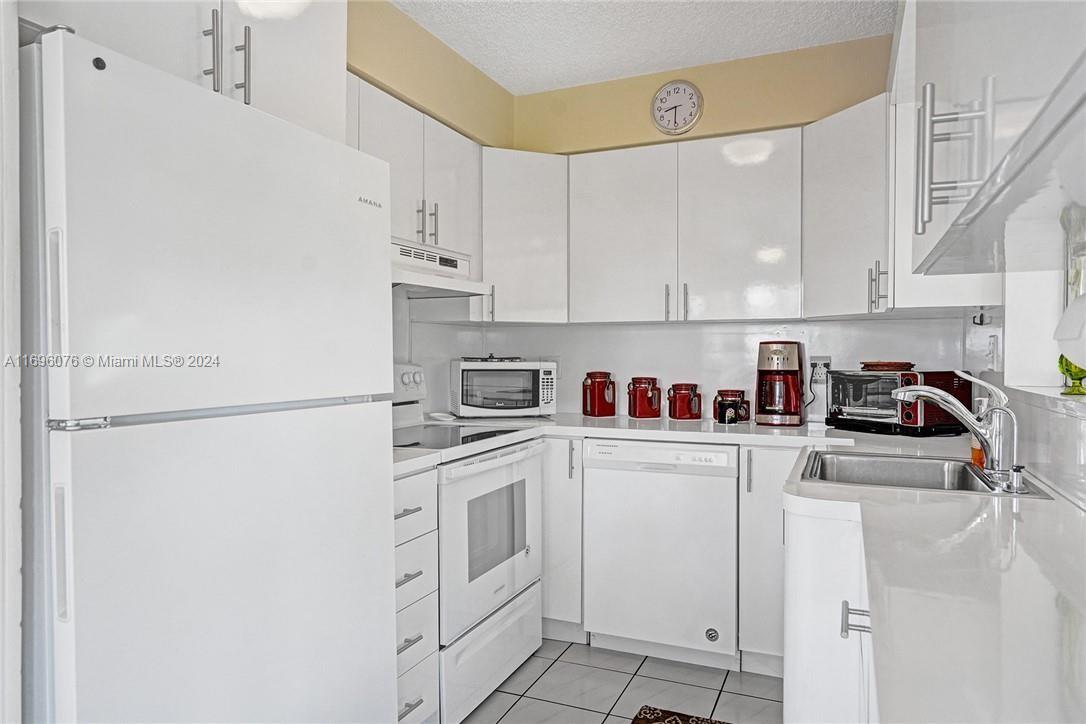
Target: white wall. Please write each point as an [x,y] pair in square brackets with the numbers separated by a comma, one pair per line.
[714,355]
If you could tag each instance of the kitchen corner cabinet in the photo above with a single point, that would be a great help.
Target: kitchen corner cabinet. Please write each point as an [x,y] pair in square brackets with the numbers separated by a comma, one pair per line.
[295,63]
[623,251]
[739,226]
[846,201]
[762,474]
[525,235]
[829,671]
[561,532]
[435,173]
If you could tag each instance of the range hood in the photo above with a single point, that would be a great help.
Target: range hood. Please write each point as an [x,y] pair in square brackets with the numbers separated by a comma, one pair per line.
[428,272]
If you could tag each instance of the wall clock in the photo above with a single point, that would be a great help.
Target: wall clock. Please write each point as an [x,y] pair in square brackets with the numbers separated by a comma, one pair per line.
[676,107]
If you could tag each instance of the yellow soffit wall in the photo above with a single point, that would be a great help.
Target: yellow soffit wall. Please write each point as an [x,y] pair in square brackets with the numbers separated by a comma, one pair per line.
[764,92]
[392,51]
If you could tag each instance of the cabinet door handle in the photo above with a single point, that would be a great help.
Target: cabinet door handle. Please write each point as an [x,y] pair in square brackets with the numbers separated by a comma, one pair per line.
[246,48]
[493,302]
[667,302]
[434,234]
[408,643]
[407,578]
[215,71]
[406,512]
[421,231]
[686,301]
[408,708]
[750,469]
[878,296]
[847,625]
[571,459]
[924,151]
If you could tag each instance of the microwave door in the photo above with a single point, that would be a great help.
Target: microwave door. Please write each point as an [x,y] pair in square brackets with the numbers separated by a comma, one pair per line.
[500,390]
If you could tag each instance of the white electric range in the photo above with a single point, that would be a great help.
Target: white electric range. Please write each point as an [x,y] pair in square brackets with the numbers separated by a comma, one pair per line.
[489,489]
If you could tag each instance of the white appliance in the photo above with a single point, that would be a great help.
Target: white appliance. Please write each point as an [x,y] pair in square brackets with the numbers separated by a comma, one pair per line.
[668,512]
[491,620]
[502,387]
[208,453]
[430,259]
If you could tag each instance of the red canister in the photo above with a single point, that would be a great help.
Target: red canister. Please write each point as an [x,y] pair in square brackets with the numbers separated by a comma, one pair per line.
[598,395]
[684,401]
[644,397]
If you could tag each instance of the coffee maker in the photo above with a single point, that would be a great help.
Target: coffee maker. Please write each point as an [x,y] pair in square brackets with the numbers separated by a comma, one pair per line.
[780,390]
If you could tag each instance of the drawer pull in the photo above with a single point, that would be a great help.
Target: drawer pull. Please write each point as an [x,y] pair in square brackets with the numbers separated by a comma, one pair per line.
[407,577]
[408,643]
[406,512]
[408,708]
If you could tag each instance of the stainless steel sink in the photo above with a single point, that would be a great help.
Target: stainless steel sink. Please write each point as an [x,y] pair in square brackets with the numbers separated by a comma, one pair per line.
[903,471]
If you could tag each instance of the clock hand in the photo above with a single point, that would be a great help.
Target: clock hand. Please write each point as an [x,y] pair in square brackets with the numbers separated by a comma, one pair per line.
[670,109]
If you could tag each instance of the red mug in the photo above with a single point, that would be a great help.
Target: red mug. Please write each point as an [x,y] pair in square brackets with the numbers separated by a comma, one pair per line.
[598,395]
[644,397]
[684,401]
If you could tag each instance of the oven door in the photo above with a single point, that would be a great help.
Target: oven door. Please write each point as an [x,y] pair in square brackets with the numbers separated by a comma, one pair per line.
[499,391]
[489,511]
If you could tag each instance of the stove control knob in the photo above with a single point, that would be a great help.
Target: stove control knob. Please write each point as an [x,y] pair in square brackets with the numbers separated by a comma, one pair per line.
[417,378]
[405,378]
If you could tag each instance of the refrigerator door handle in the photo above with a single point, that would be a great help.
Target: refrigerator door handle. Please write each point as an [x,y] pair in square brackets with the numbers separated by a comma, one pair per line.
[56,292]
[61,553]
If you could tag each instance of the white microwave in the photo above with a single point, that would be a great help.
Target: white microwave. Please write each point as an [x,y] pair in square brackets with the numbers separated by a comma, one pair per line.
[502,387]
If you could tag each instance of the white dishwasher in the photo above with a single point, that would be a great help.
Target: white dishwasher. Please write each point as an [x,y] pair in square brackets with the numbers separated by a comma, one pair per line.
[660,543]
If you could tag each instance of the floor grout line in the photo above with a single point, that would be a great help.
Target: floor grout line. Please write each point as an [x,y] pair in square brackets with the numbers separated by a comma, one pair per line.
[634,676]
[716,702]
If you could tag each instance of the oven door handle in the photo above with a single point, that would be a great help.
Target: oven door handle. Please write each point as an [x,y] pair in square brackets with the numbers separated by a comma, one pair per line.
[482,465]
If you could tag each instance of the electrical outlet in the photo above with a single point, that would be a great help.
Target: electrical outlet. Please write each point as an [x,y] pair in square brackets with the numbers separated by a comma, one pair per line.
[819,366]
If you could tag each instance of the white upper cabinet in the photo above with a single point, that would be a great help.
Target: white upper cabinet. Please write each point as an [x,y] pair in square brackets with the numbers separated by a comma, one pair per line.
[391,130]
[167,35]
[845,211]
[452,184]
[739,226]
[294,64]
[623,248]
[525,241]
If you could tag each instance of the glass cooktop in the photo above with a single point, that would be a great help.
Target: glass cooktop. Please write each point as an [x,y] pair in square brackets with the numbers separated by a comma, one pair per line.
[441,437]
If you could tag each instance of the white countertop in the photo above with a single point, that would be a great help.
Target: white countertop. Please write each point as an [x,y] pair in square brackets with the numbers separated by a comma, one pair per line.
[978,603]
[409,460]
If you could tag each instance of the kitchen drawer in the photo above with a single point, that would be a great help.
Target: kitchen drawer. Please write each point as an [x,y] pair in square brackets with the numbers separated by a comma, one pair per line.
[416,570]
[415,500]
[416,632]
[417,695]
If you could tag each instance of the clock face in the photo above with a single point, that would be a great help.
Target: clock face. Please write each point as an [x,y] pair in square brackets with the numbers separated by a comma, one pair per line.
[676,107]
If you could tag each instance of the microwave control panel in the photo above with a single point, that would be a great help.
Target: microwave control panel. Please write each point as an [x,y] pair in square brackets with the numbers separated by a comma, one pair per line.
[546,387]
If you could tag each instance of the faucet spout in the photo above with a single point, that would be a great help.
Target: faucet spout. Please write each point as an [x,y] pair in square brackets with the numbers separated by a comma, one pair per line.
[1000,464]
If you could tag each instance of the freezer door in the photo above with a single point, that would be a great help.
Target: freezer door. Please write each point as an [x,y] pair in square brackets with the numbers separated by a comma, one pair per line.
[230,569]
[181,224]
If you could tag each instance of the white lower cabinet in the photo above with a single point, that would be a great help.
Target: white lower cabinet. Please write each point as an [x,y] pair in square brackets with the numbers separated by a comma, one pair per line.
[415,516]
[417,693]
[562,490]
[828,664]
[762,474]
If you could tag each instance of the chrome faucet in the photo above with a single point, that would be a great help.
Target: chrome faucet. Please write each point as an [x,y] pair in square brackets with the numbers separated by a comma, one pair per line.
[1000,464]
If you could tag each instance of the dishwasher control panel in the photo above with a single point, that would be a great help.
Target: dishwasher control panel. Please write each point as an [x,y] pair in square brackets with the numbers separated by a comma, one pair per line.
[721,460]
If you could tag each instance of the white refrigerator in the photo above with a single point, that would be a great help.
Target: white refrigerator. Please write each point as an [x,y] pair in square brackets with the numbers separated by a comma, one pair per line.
[207,418]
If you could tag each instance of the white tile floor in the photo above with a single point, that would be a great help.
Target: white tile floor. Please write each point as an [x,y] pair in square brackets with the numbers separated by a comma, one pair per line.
[577,684]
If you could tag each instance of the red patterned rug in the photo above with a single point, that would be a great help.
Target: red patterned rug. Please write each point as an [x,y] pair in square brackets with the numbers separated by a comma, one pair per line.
[652,715]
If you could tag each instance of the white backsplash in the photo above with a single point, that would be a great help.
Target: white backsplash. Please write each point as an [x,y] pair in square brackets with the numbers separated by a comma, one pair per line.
[714,355]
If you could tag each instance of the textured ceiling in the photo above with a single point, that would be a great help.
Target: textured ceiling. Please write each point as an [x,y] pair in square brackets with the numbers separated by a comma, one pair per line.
[535,45]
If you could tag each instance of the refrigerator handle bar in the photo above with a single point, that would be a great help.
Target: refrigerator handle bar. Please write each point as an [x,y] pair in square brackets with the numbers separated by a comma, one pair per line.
[61,553]
[56,260]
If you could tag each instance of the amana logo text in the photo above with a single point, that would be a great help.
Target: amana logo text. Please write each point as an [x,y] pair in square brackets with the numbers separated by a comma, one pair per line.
[370,202]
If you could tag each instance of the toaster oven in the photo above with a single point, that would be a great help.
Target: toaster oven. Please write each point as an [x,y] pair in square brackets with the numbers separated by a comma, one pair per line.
[502,387]
[861,401]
